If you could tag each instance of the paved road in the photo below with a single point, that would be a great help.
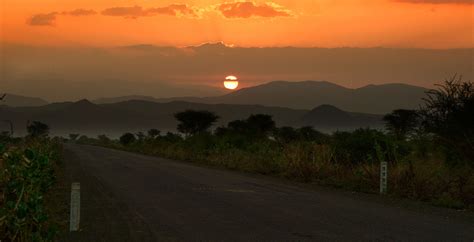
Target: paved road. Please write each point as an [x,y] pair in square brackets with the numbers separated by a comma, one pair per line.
[130,197]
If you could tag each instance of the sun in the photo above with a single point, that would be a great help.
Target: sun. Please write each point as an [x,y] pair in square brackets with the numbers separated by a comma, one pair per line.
[231,82]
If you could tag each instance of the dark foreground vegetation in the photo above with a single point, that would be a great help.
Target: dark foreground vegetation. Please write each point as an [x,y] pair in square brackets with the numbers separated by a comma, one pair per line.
[27,173]
[429,151]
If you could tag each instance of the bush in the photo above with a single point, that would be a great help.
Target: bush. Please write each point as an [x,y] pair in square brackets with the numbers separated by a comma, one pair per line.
[27,174]
[449,115]
[127,139]
[37,129]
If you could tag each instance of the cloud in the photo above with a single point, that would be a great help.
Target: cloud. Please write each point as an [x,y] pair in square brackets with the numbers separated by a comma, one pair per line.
[47,19]
[137,11]
[80,12]
[128,12]
[175,10]
[438,1]
[243,9]
[251,9]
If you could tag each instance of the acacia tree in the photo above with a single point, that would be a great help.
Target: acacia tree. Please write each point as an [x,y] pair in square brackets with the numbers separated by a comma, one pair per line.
[449,115]
[261,124]
[193,122]
[401,122]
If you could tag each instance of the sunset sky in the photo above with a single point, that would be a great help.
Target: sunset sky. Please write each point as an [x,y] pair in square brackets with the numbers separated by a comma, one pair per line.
[100,48]
[308,23]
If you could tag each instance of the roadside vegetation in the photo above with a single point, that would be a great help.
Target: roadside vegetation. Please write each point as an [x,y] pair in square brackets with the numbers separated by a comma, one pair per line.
[27,172]
[430,151]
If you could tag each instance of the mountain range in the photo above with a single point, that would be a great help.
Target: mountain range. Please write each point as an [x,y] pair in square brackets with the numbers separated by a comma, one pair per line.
[114,119]
[378,99]
[13,100]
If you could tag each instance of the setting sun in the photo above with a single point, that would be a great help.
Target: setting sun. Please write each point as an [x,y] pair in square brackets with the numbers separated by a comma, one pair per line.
[231,82]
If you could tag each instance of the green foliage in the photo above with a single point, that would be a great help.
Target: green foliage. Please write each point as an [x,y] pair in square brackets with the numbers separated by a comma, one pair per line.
[360,146]
[194,122]
[27,174]
[37,129]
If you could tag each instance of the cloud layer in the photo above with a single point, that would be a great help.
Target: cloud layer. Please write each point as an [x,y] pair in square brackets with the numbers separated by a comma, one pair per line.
[45,19]
[137,11]
[80,12]
[240,9]
[49,19]
[438,1]
[251,9]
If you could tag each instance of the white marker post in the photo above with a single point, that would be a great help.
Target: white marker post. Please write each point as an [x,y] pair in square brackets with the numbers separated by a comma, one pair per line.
[75,214]
[383,177]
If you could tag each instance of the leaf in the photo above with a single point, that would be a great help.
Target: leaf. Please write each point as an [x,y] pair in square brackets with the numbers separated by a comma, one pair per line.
[30,154]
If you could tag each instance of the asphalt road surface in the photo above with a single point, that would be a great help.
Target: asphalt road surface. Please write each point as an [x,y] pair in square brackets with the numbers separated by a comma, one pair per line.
[131,197]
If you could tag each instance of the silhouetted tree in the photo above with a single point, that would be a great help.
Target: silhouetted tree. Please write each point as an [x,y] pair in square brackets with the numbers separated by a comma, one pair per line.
[194,122]
[153,133]
[239,126]
[286,135]
[37,129]
[449,114]
[308,133]
[170,137]
[127,138]
[103,139]
[73,137]
[401,122]
[10,123]
[83,139]
[261,124]
[140,136]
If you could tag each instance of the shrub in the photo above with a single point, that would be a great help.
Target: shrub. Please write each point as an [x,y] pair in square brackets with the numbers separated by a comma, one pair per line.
[37,129]
[27,174]
[449,115]
[127,139]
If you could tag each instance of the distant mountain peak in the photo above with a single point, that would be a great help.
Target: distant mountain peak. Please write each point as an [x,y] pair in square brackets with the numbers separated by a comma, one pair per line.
[326,108]
[302,83]
[83,103]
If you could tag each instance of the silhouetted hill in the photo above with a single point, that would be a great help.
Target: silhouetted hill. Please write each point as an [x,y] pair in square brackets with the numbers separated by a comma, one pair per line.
[86,117]
[327,117]
[379,99]
[124,99]
[22,101]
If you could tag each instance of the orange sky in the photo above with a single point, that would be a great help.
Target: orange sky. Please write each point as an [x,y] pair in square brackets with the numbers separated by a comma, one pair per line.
[321,23]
